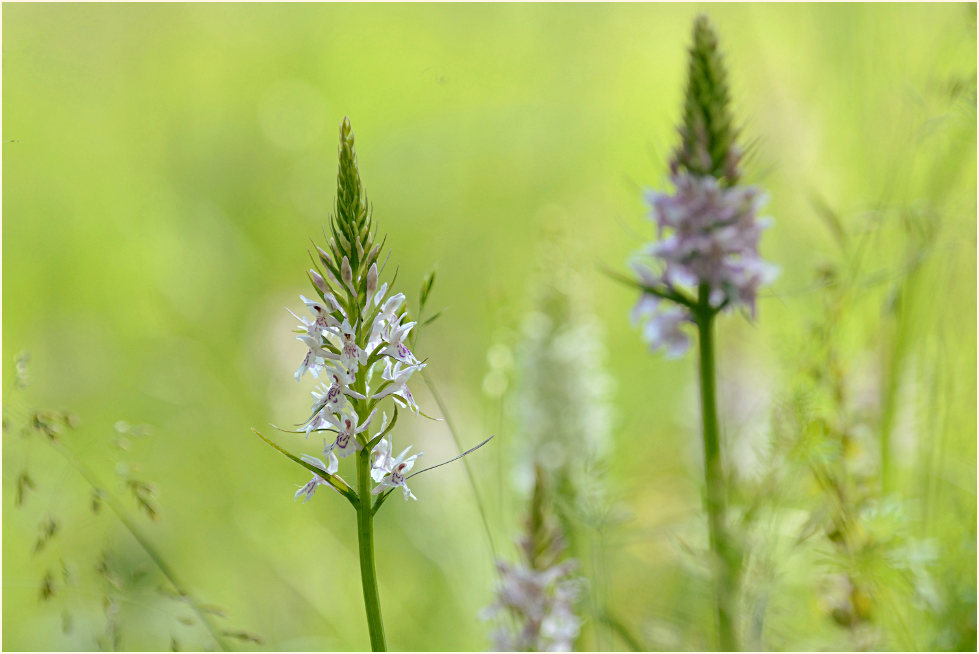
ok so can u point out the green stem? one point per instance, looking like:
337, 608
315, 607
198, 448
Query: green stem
365, 541
724, 558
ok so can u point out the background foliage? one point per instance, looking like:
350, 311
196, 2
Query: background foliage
165, 165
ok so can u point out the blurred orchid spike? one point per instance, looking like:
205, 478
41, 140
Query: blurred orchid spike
706, 259
539, 592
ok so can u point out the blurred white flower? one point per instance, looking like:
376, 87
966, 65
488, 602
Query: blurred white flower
560, 396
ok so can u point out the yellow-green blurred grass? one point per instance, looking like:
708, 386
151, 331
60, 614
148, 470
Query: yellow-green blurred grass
164, 167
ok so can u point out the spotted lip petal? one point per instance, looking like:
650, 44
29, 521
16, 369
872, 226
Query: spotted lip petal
345, 423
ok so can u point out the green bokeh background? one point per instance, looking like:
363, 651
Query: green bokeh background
164, 167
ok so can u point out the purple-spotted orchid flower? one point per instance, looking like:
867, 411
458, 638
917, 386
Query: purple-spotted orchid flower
393, 471
352, 356
331, 399
323, 320
347, 428
328, 468
398, 376
396, 335
316, 356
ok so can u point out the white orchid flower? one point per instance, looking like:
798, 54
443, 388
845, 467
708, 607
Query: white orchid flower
347, 428
331, 399
316, 356
395, 471
398, 376
396, 349
322, 320
351, 354
330, 469
381, 459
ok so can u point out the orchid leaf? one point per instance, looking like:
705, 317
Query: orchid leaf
332, 480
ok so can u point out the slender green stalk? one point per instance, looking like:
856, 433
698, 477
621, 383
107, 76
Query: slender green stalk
365, 541
724, 558
365, 520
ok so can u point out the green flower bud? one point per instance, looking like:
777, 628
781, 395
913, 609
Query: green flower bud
319, 281
350, 223
372, 279
346, 273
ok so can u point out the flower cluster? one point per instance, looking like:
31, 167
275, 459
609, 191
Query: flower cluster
355, 334
339, 352
712, 241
